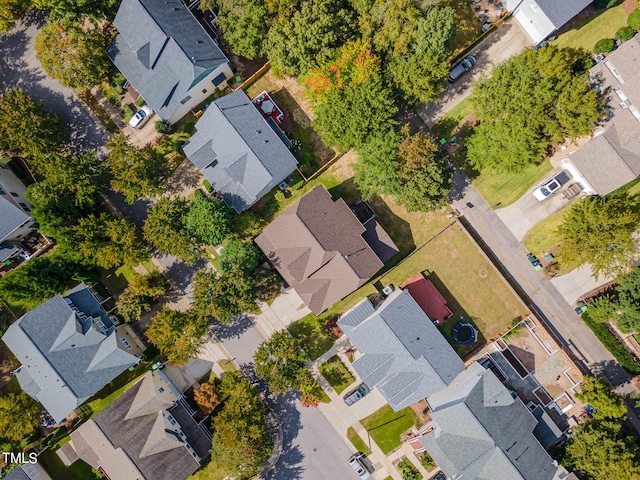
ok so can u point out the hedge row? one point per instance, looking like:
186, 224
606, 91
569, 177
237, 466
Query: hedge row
612, 344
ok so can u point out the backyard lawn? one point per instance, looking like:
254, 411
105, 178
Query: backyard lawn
337, 374
451, 121
587, 32
466, 279
312, 336
385, 426
79, 470
468, 26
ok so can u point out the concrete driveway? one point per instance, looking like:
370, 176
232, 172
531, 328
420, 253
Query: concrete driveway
520, 216
509, 39
19, 68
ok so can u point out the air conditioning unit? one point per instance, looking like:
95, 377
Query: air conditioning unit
388, 290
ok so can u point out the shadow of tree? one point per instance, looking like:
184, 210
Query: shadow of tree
233, 330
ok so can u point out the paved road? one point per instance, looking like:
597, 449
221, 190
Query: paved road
312, 450
509, 39
19, 67
545, 299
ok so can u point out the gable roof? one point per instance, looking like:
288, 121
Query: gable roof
561, 12
11, 217
317, 246
238, 152
404, 355
66, 357
612, 158
483, 432
156, 443
163, 51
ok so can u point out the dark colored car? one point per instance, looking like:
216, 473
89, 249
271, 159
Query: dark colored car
461, 68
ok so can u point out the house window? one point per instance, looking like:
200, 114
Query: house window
126, 345
534, 6
171, 420
101, 325
160, 389
13, 194
24, 206
212, 164
185, 99
219, 80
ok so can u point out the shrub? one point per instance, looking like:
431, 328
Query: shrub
605, 3
603, 46
127, 111
162, 126
139, 101
279, 196
634, 20
207, 185
625, 33
611, 343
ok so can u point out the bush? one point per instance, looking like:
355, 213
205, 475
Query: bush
207, 185
162, 126
625, 33
279, 196
634, 20
605, 3
603, 46
611, 343
127, 111
139, 101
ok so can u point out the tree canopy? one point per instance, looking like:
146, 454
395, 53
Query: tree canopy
72, 53
532, 100
239, 256
606, 403
137, 297
136, 172
19, 416
599, 231
165, 229
222, 297
244, 25
177, 335
209, 220
621, 306
20, 114
281, 363
77, 9
10, 13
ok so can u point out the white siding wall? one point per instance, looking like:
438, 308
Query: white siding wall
12, 186
531, 18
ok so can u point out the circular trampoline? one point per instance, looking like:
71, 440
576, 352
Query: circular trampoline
464, 333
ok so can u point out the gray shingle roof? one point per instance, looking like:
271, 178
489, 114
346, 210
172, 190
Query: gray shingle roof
560, 12
317, 246
612, 159
150, 440
404, 355
238, 152
65, 356
162, 50
482, 432
11, 217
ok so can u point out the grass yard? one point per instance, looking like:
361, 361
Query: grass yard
468, 26
451, 121
337, 374
588, 31
408, 470
357, 441
385, 426
309, 331
79, 470
466, 279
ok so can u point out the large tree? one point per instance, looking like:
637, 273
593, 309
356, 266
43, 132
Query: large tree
599, 231
308, 38
281, 363
532, 100
621, 306
603, 449
72, 53
139, 294
137, 172
606, 403
244, 25
26, 127
222, 297
10, 12
109, 241
178, 335
350, 116
77, 9
209, 220
19, 416
241, 440
238, 256
165, 229
377, 166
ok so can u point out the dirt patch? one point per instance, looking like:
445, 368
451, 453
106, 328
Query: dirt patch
7, 365
629, 5
343, 168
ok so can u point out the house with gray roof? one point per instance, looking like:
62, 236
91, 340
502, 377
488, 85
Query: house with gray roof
540, 18
611, 158
147, 433
480, 430
319, 247
167, 55
238, 152
68, 349
401, 352
15, 221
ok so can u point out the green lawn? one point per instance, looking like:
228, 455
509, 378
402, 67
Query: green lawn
543, 237
468, 26
587, 32
312, 336
502, 189
385, 426
466, 279
451, 121
337, 374
79, 470
357, 441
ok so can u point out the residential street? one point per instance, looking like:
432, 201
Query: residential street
545, 298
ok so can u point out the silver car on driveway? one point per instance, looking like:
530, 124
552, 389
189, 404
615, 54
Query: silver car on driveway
356, 394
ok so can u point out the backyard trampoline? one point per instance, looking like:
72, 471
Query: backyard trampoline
464, 333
